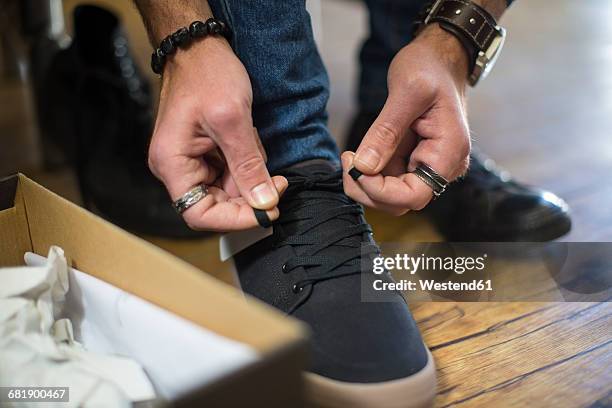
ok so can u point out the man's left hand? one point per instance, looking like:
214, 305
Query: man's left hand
423, 121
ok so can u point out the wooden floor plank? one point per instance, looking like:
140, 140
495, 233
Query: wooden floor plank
533, 389
512, 351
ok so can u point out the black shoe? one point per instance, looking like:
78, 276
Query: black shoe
100, 103
486, 205
364, 354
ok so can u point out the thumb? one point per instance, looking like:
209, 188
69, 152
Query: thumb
248, 168
387, 132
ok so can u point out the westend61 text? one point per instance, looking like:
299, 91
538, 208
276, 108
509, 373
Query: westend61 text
432, 285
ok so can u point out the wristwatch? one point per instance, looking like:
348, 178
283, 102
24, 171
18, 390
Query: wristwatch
475, 28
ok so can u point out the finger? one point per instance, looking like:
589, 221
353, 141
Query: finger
226, 182
398, 163
446, 157
405, 192
219, 212
444, 144
281, 184
388, 130
240, 147
389, 193
354, 190
175, 156
185, 173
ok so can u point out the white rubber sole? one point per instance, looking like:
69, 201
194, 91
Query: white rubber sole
416, 391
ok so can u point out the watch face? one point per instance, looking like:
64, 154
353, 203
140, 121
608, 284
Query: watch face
495, 49
487, 59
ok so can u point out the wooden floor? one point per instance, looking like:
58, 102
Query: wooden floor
546, 115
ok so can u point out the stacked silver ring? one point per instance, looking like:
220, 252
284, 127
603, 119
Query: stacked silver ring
429, 176
190, 198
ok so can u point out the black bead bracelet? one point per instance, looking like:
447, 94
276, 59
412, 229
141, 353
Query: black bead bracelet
182, 37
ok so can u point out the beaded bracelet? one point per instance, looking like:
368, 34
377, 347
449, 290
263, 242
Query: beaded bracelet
181, 39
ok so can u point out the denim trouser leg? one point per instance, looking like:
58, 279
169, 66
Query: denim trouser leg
390, 30
274, 41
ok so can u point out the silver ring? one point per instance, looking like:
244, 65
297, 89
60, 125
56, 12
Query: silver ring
190, 198
430, 177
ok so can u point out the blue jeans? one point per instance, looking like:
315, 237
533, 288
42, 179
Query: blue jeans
391, 29
274, 41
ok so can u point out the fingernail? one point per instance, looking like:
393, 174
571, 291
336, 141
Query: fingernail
370, 158
263, 195
354, 173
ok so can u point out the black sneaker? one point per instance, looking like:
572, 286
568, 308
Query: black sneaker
486, 204
364, 354
97, 109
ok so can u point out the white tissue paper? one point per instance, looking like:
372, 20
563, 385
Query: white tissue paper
178, 355
38, 350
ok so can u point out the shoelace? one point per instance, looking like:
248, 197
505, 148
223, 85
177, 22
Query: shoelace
314, 201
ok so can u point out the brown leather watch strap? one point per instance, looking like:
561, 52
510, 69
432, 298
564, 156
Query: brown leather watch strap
474, 22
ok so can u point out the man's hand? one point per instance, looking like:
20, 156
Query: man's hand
423, 121
204, 135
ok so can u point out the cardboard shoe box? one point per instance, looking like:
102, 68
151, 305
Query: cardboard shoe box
33, 218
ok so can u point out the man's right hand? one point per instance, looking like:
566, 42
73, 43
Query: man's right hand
204, 135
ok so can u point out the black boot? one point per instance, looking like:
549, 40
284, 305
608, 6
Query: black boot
100, 103
486, 205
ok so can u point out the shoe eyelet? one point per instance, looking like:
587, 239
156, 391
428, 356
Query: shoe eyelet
296, 289
284, 268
